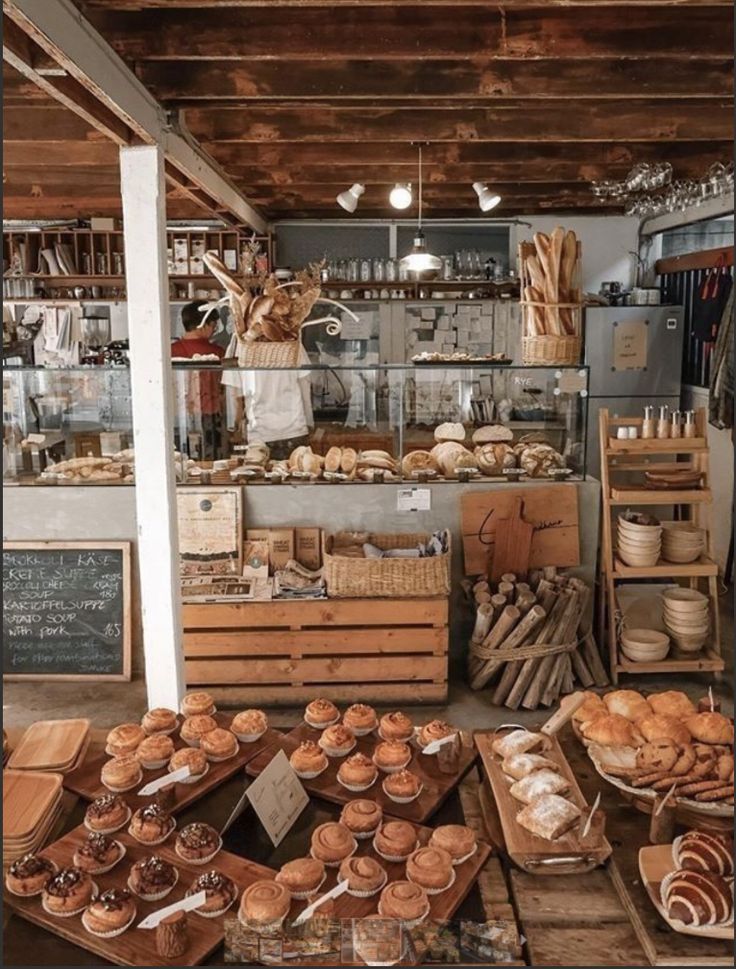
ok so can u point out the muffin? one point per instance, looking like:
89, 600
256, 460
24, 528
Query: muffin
431, 869
220, 890
391, 755
395, 726
249, 725
332, 843
110, 914
197, 843
154, 751
159, 720
321, 713
68, 892
395, 840
357, 772
219, 745
193, 758
98, 854
264, 904
404, 901
28, 875
124, 739
362, 818
456, 839
107, 814
302, 876
152, 878
360, 718
121, 773
402, 787
434, 730
195, 727
308, 760
364, 875
337, 740
194, 704
151, 825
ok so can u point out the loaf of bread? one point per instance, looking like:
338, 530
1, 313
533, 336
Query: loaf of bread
333, 459
612, 730
661, 727
539, 459
493, 458
418, 461
449, 431
492, 434
711, 728
446, 455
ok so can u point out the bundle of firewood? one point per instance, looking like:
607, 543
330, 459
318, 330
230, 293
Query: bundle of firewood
532, 640
549, 269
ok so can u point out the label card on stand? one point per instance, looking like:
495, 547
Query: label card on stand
413, 499
278, 798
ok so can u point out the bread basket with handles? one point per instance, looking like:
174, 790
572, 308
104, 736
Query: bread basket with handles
347, 577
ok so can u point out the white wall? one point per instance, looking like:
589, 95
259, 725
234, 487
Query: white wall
607, 241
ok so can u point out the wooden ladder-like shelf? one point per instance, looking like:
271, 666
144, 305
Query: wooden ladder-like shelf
639, 455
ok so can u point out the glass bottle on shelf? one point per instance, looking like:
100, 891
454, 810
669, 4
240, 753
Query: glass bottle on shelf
378, 270
353, 270
391, 271
365, 270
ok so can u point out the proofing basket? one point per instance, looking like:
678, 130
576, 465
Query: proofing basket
388, 578
265, 355
550, 350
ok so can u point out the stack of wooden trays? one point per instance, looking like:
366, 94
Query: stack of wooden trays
52, 745
31, 806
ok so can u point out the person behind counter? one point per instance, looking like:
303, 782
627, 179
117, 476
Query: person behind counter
201, 388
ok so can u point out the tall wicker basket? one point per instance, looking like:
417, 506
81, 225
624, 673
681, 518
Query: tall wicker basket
549, 348
386, 578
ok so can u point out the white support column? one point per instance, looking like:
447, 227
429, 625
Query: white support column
144, 233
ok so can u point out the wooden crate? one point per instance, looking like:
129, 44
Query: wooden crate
387, 650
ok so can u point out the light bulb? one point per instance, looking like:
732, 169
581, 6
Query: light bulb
487, 200
400, 196
348, 199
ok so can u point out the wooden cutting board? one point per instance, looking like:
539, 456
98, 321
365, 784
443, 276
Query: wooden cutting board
513, 544
27, 799
50, 745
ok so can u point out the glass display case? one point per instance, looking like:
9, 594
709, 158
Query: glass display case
314, 424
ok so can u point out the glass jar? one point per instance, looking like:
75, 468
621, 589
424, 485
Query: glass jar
379, 270
353, 270
365, 270
391, 270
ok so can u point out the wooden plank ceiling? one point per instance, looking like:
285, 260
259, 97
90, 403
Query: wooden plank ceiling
297, 99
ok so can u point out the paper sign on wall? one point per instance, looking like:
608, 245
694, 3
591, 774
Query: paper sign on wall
278, 797
356, 329
413, 499
630, 345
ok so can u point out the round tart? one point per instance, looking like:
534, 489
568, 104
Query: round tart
154, 751
357, 772
360, 718
249, 725
152, 878
67, 892
193, 758
159, 720
404, 901
121, 773
197, 703
332, 843
107, 814
124, 739
431, 869
98, 854
151, 825
264, 903
28, 875
434, 730
308, 760
396, 726
197, 843
402, 787
195, 727
302, 876
362, 818
337, 740
220, 890
110, 914
395, 840
456, 839
364, 875
219, 744
321, 713
391, 755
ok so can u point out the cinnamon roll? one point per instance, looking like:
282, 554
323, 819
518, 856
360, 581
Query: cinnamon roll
264, 903
362, 818
396, 726
302, 876
404, 901
332, 842
357, 772
219, 744
431, 869
456, 839
364, 875
395, 840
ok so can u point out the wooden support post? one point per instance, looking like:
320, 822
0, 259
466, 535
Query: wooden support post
144, 220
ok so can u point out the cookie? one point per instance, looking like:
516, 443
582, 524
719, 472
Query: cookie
717, 795
724, 767
686, 761
699, 787
658, 755
646, 780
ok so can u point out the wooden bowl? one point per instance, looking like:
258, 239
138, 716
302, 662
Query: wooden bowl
637, 544
638, 559
644, 639
640, 533
646, 656
683, 600
681, 558
689, 644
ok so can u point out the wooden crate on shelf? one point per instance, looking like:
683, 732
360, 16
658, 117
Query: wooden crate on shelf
284, 653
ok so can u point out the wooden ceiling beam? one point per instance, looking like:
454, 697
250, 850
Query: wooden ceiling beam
71, 154
344, 4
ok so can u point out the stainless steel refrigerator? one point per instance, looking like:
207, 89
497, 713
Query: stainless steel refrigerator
635, 358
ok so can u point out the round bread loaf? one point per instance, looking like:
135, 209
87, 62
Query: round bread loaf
539, 459
612, 730
449, 431
492, 434
627, 703
672, 703
493, 458
418, 461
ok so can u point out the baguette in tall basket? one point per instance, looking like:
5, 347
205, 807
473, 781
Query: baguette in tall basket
549, 268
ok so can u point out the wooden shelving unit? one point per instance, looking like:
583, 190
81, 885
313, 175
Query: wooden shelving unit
631, 457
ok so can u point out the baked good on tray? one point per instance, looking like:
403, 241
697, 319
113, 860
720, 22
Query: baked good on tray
264, 903
68, 892
249, 725
192, 757
434, 730
405, 901
362, 817
539, 783
365, 876
697, 898
97, 854
549, 816
110, 914
357, 772
154, 751
612, 730
196, 703
220, 892
396, 726
302, 876
332, 842
107, 814
517, 742
124, 739
159, 720
703, 851
431, 868
391, 755
672, 703
660, 726
521, 765
151, 825
308, 760
152, 878
395, 840
121, 773
337, 740
195, 727
28, 875
197, 843
219, 744
457, 840
321, 713
711, 728
402, 787
360, 718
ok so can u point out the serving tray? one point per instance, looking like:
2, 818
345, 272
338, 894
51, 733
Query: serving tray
51, 745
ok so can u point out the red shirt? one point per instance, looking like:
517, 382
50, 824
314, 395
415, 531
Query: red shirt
203, 386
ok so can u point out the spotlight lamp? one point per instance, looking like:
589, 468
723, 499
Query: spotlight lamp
400, 196
487, 199
348, 199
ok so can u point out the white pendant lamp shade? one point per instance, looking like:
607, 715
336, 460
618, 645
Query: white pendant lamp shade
487, 199
419, 260
349, 198
400, 196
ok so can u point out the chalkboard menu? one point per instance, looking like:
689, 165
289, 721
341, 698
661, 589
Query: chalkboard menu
66, 610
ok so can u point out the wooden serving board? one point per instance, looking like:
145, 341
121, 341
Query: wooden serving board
137, 947
86, 782
27, 799
531, 853
437, 786
50, 745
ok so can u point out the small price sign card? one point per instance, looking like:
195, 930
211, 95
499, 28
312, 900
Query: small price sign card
278, 797
413, 499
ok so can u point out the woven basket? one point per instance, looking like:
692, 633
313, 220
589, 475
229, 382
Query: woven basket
394, 578
266, 355
551, 350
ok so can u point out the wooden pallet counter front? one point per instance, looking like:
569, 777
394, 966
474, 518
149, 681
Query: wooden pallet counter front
389, 650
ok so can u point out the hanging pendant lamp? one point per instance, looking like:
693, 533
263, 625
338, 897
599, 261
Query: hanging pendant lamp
419, 260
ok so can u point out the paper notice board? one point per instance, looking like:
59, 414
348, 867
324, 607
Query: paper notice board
630, 345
